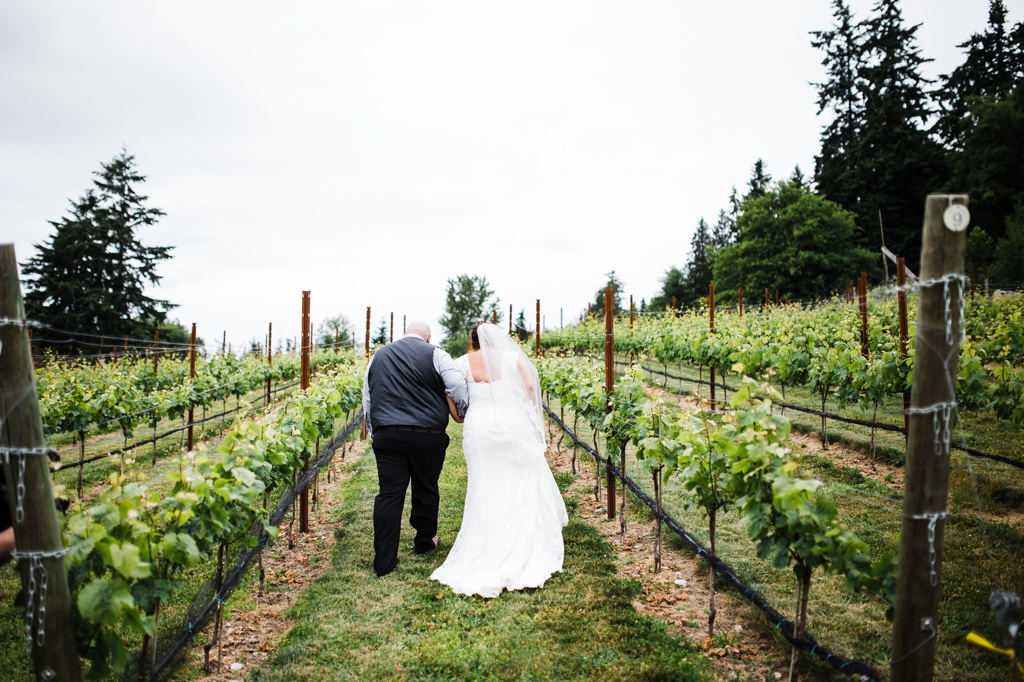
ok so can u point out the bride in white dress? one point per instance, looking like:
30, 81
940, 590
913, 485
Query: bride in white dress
511, 535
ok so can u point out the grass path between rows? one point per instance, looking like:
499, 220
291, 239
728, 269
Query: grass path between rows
580, 626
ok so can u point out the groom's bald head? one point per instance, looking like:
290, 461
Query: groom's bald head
419, 328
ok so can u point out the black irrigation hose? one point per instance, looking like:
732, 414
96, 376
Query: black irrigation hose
169, 663
171, 432
784, 626
840, 418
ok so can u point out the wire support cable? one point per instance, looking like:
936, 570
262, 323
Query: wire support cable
837, 417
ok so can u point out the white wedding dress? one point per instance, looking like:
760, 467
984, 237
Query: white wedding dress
511, 535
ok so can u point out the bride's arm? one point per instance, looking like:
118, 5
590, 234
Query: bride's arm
527, 378
453, 410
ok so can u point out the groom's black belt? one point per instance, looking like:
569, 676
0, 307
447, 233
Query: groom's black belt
417, 429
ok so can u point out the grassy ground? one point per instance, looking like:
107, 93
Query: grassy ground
580, 626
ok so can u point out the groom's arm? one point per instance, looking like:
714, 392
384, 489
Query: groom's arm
455, 386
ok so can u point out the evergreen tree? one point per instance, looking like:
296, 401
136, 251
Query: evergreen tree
759, 181
522, 333
792, 240
724, 232
90, 277
836, 168
380, 337
990, 169
994, 64
598, 306
1008, 267
468, 301
337, 329
673, 286
698, 267
898, 164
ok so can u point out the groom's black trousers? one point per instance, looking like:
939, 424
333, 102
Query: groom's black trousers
403, 456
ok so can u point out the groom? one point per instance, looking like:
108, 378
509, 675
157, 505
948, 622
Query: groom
406, 414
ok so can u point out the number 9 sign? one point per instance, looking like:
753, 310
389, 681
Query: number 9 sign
956, 217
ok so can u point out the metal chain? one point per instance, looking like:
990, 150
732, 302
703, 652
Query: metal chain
932, 520
35, 607
943, 412
945, 281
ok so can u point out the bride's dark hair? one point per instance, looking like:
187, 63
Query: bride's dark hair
474, 337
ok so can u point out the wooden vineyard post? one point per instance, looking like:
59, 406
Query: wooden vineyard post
304, 385
367, 342
391, 336
776, 297
270, 360
192, 378
494, 316
510, 319
224, 345
536, 349
901, 298
932, 413
631, 313
711, 331
766, 303
609, 385
673, 305
40, 550
741, 302
862, 297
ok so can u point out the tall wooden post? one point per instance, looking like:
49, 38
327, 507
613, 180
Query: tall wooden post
224, 345
367, 331
862, 297
631, 312
766, 302
711, 331
609, 383
391, 336
741, 302
932, 413
192, 377
673, 305
270, 360
536, 350
304, 385
901, 301
510, 319
30, 492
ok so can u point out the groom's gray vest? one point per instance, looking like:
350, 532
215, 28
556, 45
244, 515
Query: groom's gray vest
405, 389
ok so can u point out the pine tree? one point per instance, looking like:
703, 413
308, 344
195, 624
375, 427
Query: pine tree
598, 305
698, 267
90, 277
759, 181
836, 168
468, 301
898, 164
993, 66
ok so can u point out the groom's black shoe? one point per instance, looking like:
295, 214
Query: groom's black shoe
430, 548
381, 574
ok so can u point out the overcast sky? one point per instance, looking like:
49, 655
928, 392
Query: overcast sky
370, 151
